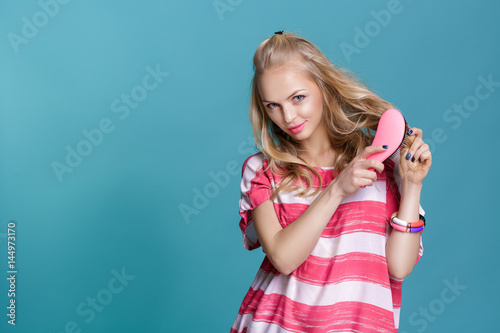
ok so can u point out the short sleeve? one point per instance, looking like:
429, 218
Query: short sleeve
256, 187
394, 192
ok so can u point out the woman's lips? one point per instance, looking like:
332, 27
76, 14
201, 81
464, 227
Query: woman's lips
298, 128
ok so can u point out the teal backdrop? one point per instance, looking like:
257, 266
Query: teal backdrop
124, 126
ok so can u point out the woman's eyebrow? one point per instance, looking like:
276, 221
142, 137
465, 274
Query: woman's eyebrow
296, 91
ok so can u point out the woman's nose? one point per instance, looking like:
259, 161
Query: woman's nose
289, 114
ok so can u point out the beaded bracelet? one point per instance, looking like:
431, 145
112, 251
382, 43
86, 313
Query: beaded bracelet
405, 226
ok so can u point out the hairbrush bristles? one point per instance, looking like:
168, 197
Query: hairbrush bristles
403, 142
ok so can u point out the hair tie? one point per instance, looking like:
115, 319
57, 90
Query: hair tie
279, 33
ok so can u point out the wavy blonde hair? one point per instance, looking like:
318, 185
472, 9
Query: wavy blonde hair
351, 112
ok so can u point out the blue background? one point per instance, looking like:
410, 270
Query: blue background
119, 209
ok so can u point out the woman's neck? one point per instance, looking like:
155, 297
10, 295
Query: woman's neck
320, 157
317, 151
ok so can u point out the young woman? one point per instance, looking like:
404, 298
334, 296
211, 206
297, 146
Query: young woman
318, 207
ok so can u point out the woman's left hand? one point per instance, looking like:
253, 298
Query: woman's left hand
416, 160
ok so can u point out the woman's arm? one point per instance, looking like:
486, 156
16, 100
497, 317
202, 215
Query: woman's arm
287, 248
402, 248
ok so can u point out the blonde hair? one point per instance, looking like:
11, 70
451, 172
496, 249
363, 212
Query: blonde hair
351, 112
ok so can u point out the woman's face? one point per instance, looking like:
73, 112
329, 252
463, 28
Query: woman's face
293, 102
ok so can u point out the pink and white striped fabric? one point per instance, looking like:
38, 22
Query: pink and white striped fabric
344, 284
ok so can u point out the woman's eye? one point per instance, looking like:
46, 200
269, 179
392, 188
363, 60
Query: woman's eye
299, 97
271, 105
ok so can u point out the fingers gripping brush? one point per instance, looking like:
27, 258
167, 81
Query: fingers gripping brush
391, 131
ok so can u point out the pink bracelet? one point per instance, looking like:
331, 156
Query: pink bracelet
398, 227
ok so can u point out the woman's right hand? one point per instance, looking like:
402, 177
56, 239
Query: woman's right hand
356, 173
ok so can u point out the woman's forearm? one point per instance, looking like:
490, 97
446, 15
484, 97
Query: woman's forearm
402, 248
295, 243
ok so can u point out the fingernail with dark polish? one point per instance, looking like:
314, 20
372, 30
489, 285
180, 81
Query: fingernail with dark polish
419, 160
408, 156
385, 146
413, 159
410, 131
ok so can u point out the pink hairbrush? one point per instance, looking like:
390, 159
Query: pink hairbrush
391, 131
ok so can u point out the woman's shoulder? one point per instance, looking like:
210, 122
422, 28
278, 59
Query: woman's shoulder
255, 162
254, 158
256, 169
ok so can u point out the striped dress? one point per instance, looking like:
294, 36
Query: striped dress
344, 284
